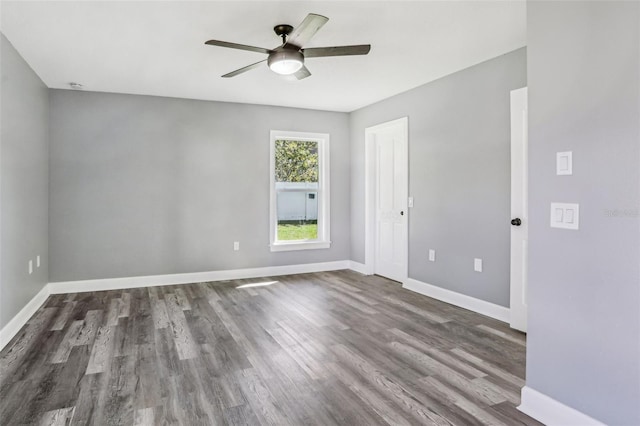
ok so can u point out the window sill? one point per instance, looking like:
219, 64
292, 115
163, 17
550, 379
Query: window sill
306, 245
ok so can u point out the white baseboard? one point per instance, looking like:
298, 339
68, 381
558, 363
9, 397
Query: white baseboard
192, 277
358, 267
471, 303
552, 412
17, 322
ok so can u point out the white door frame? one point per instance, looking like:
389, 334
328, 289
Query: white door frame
370, 194
519, 209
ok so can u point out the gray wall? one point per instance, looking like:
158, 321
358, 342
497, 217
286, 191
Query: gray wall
459, 175
583, 345
24, 157
148, 185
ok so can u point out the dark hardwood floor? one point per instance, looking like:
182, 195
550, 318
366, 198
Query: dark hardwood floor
321, 349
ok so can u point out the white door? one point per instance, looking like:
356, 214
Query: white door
390, 187
519, 208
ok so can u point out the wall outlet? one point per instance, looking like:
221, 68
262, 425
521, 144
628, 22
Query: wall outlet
477, 265
30, 267
432, 255
236, 245
38, 261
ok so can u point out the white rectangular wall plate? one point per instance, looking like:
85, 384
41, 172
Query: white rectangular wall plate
564, 163
38, 261
236, 245
432, 255
477, 265
30, 266
565, 215
410, 201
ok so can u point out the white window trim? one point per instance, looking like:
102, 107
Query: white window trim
323, 241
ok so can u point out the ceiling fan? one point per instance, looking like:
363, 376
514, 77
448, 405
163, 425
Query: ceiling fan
288, 58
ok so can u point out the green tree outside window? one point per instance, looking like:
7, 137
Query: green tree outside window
296, 161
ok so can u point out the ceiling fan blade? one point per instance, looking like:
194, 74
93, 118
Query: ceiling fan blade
302, 73
319, 52
244, 69
237, 46
307, 29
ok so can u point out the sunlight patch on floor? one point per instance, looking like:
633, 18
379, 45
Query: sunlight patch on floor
257, 284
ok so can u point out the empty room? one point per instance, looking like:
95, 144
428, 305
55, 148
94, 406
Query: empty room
320, 213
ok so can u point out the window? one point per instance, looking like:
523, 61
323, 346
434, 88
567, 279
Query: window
299, 191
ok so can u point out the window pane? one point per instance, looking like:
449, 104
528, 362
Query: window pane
296, 161
296, 170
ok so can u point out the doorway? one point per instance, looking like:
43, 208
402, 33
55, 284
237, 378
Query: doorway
386, 193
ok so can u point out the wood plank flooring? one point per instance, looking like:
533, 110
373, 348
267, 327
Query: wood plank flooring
334, 348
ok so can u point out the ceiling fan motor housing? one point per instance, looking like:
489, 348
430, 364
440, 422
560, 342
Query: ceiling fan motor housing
286, 60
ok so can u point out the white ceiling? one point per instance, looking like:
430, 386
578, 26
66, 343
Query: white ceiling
157, 48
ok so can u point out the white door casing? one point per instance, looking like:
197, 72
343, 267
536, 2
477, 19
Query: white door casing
519, 209
386, 192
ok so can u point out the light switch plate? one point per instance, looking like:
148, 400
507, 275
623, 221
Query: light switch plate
565, 215
432, 255
477, 265
564, 163
410, 201
236, 245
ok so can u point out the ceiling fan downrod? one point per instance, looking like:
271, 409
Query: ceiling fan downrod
283, 30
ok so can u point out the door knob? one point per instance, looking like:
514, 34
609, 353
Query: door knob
516, 221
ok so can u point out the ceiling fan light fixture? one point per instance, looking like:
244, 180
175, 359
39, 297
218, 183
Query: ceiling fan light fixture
285, 61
